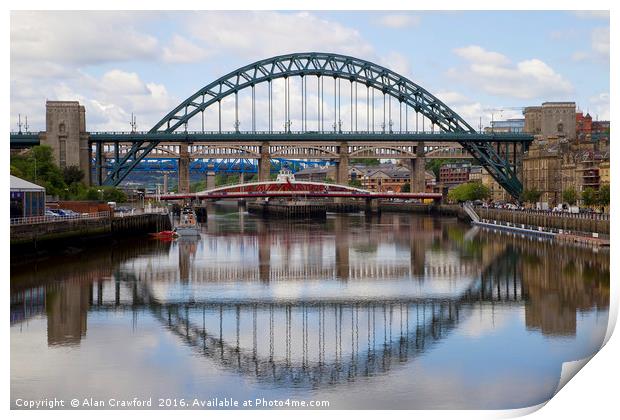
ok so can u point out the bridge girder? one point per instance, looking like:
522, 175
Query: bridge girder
336, 66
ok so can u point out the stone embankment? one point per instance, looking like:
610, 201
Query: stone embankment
45, 233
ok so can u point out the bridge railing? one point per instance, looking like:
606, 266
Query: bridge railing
56, 219
232, 132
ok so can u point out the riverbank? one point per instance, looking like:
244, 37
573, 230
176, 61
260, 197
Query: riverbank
41, 235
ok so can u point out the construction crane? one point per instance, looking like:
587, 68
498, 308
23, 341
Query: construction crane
501, 111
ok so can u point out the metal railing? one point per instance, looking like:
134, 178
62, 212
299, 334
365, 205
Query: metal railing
559, 214
146, 210
55, 219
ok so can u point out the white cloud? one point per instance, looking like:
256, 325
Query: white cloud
117, 81
600, 42
246, 34
397, 62
494, 73
592, 14
78, 38
579, 56
182, 50
478, 54
600, 106
109, 100
399, 21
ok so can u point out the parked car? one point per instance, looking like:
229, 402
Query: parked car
50, 213
70, 213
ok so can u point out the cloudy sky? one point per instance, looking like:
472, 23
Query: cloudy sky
116, 63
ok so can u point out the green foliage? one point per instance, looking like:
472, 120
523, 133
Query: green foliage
603, 195
589, 197
366, 161
114, 194
356, 183
198, 186
102, 194
92, 194
72, 175
15, 171
469, 191
570, 196
530, 195
37, 165
406, 188
329, 180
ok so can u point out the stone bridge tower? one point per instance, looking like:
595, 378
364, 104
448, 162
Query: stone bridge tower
65, 132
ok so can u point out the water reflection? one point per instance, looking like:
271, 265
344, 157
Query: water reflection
314, 305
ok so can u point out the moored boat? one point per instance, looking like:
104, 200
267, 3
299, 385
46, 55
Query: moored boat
188, 224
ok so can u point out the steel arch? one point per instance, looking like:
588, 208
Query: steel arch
326, 65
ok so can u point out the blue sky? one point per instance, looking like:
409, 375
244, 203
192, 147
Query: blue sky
117, 63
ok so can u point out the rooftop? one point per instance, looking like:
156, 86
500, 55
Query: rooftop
23, 185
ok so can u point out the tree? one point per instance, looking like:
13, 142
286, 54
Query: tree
531, 195
570, 196
114, 194
589, 197
406, 187
92, 194
72, 175
469, 191
355, 183
38, 166
603, 195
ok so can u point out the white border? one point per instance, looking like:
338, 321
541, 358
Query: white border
592, 393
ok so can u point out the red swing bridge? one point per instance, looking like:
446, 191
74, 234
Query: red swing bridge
293, 189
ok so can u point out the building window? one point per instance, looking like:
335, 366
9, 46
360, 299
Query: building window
61, 128
560, 128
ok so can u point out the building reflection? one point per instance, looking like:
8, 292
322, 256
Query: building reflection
66, 288
559, 281
553, 283
66, 309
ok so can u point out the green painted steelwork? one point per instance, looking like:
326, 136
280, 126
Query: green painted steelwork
173, 127
191, 137
326, 65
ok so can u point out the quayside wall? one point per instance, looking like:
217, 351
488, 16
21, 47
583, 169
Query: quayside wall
572, 222
27, 237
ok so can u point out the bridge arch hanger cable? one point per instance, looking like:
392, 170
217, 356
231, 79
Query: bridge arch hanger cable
324, 64
316, 64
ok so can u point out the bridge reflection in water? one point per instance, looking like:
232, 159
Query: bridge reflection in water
305, 305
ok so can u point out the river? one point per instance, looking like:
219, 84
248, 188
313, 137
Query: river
364, 312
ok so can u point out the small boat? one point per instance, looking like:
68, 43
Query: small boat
188, 225
164, 234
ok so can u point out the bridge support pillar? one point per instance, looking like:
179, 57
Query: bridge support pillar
98, 164
210, 176
342, 165
342, 248
165, 191
417, 170
264, 163
372, 206
264, 252
183, 169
